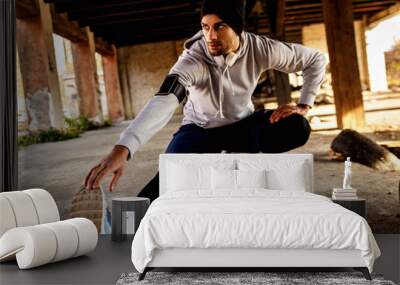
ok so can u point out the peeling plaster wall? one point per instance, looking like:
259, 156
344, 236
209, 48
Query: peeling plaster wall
38, 107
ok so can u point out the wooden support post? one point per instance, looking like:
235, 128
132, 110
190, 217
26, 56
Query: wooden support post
282, 87
361, 44
39, 71
86, 79
280, 20
276, 10
338, 18
112, 86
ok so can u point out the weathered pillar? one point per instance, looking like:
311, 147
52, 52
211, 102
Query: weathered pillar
338, 18
112, 86
83, 54
39, 71
179, 47
276, 10
361, 45
23, 123
124, 81
282, 87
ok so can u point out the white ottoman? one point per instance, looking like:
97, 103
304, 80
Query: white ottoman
31, 232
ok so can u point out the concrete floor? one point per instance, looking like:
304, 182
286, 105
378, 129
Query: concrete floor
110, 259
61, 167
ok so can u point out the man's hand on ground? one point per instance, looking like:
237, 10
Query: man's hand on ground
113, 163
287, 109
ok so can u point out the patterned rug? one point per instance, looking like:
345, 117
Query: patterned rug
242, 278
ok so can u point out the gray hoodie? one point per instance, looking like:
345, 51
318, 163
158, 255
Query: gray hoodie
220, 88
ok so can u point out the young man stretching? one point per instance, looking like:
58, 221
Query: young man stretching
218, 72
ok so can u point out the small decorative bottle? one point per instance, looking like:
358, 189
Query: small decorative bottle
347, 174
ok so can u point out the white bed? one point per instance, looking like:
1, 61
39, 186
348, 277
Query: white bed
224, 216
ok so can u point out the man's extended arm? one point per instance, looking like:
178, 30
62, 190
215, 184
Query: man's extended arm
159, 110
154, 116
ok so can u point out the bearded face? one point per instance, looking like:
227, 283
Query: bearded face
221, 39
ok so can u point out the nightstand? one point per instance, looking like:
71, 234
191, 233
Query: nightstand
135, 207
358, 206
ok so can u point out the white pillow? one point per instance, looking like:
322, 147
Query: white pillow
251, 178
189, 175
182, 177
287, 174
227, 179
293, 180
223, 179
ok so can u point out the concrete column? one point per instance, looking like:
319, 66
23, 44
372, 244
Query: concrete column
179, 47
86, 80
23, 122
124, 83
96, 66
39, 71
112, 86
339, 27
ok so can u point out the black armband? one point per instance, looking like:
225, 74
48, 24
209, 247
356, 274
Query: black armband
170, 85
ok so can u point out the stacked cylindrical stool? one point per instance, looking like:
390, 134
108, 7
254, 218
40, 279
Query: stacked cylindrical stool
31, 231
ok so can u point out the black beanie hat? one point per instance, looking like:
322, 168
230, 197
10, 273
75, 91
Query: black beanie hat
230, 11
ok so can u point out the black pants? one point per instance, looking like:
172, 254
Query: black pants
253, 134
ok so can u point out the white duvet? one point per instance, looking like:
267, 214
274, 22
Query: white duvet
250, 219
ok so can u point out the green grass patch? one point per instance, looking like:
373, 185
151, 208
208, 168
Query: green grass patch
75, 127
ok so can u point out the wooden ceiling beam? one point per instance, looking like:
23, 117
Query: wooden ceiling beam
61, 25
139, 7
160, 31
26, 9
303, 6
356, 9
139, 21
139, 17
305, 21
301, 12
71, 31
73, 5
132, 14
379, 16
368, 9
124, 40
360, 3
134, 9
143, 33
146, 26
